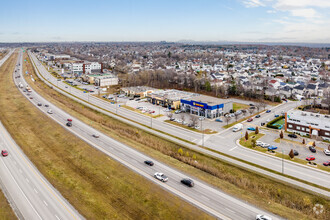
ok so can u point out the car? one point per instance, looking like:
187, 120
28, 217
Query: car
137, 99
268, 120
310, 158
177, 112
161, 177
326, 163
188, 182
276, 116
258, 116
31, 97
272, 147
264, 145
263, 217
268, 111
4, 153
172, 119
232, 115
50, 111
250, 119
66, 87
178, 120
259, 143
149, 162
151, 112
69, 119
292, 135
131, 98
197, 127
218, 120
251, 129
69, 124
251, 104
201, 118
96, 135
39, 104
326, 152
295, 152
46, 105
312, 149
58, 79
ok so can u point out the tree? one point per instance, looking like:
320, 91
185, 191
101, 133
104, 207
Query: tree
314, 144
303, 141
194, 120
183, 117
246, 135
263, 104
169, 115
194, 157
281, 135
227, 119
244, 111
291, 154
257, 130
253, 143
187, 154
251, 110
180, 151
236, 116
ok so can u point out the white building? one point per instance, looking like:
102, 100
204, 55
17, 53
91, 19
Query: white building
105, 80
86, 67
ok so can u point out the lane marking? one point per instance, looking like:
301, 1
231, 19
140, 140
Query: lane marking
27, 180
233, 148
45, 202
57, 217
230, 210
35, 190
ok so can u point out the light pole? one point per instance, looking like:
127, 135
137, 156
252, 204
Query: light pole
202, 133
116, 104
282, 161
150, 119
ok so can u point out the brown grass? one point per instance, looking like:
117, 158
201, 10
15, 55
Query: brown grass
277, 197
6, 211
97, 186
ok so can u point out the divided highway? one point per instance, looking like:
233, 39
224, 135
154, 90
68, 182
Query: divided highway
223, 141
30, 194
201, 195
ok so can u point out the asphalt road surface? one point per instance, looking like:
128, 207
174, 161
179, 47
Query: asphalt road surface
201, 195
31, 195
224, 141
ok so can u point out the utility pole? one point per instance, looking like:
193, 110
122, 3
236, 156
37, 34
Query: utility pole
282, 161
202, 133
116, 104
151, 120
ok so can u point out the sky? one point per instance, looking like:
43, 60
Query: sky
293, 21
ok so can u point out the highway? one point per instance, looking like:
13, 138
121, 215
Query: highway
201, 195
224, 141
31, 195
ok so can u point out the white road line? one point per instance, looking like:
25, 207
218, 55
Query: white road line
35, 190
27, 180
230, 210
233, 148
21, 191
45, 203
57, 217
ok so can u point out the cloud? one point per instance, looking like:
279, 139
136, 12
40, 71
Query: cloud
304, 12
286, 5
253, 3
271, 11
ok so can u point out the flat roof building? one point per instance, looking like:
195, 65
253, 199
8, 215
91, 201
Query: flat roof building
307, 123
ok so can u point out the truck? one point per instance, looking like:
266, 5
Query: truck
238, 127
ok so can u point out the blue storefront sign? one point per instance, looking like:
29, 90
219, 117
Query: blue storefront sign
201, 104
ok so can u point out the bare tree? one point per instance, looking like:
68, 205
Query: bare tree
169, 115
236, 116
263, 104
244, 111
251, 110
183, 117
194, 120
227, 119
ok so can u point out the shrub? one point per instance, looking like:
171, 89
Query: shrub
180, 151
291, 154
246, 135
257, 130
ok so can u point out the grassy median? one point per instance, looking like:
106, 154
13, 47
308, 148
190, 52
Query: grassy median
277, 197
6, 211
97, 186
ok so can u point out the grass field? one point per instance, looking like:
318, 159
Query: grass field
6, 211
240, 120
97, 186
238, 106
205, 131
282, 199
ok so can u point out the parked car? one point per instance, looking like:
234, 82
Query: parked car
137, 99
326, 152
96, 135
251, 104
50, 111
251, 128
326, 163
250, 119
178, 120
295, 152
131, 98
4, 153
187, 182
197, 127
263, 217
258, 116
292, 135
310, 158
268, 111
201, 118
149, 162
259, 143
218, 120
272, 147
69, 119
312, 149
276, 116
161, 177
265, 145
176, 112
172, 119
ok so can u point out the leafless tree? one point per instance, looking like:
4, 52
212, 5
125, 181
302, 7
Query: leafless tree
227, 119
263, 104
251, 110
194, 120
236, 116
169, 115
183, 117
244, 111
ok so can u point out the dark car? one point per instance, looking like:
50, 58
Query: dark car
149, 162
326, 163
292, 135
69, 124
250, 119
46, 105
39, 104
268, 111
295, 152
312, 149
258, 116
4, 153
172, 119
187, 182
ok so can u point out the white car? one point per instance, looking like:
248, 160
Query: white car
178, 120
259, 143
264, 145
196, 127
96, 135
263, 217
50, 111
326, 152
201, 118
161, 177
268, 120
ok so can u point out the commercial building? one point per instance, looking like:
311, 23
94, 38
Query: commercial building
305, 123
140, 91
101, 80
206, 106
82, 67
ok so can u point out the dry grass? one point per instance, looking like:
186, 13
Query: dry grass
6, 211
205, 131
241, 120
238, 106
97, 186
277, 197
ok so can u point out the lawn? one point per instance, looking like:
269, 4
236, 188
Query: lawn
274, 196
238, 106
240, 120
205, 131
96, 185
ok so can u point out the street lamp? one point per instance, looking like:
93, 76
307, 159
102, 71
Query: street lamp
150, 120
202, 133
282, 161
